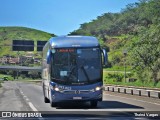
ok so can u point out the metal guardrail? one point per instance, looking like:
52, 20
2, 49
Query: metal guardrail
134, 91
21, 68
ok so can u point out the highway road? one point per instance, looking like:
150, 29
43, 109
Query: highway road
28, 97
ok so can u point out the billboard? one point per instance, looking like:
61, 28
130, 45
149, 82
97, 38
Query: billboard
23, 45
40, 45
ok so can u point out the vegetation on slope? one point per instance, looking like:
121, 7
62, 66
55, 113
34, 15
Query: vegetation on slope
7, 34
135, 29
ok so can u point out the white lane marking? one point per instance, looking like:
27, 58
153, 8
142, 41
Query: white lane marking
134, 99
24, 96
21, 93
32, 106
29, 103
34, 109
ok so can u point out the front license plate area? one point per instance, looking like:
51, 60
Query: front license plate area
77, 98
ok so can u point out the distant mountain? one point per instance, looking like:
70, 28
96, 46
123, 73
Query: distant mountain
7, 34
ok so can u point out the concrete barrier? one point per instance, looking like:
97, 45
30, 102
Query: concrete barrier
133, 90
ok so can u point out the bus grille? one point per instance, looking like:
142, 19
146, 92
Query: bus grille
69, 91
77, 91
84, 91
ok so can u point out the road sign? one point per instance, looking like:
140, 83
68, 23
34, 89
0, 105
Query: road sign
23, 45
40, 45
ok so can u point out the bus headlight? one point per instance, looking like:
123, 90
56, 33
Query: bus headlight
98, 88
56, 89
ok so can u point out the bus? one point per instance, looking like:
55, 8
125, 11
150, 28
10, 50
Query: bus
72, 70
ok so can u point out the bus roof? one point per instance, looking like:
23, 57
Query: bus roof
73, 41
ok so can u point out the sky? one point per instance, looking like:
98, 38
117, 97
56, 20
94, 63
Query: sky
59, 17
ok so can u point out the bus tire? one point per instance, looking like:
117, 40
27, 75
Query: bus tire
53, 104
46, 100
94, 104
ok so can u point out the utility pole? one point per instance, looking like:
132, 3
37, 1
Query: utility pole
125, 54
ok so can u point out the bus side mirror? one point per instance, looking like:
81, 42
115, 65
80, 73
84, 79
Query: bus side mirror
105, 57
48, 56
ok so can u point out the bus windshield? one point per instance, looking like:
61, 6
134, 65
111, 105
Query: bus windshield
76, 66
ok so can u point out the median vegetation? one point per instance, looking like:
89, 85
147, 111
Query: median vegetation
117, 78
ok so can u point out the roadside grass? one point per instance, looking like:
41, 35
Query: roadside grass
29, 80
158, 85
118, 68
1, 83
114, 81
32, 81
20, 78
4, 75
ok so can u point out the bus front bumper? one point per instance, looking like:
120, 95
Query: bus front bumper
62, 97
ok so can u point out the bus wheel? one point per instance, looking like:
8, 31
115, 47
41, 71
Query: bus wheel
46, 100
53, 104
94, 104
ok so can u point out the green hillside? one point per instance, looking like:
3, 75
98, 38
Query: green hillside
7, 34
135, 29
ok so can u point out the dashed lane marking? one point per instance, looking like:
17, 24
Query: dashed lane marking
30, 104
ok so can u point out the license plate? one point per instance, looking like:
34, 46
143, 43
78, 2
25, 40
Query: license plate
77, 98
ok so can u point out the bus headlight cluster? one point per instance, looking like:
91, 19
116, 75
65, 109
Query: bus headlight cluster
98, 88
56, 89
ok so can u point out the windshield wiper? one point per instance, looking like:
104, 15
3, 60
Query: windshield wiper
71, 73
85, 73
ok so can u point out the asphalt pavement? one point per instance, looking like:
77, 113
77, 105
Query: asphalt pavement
27, 97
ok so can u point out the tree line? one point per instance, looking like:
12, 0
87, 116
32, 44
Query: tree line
140, 24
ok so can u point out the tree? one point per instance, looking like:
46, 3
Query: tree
34, 74
146, 51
